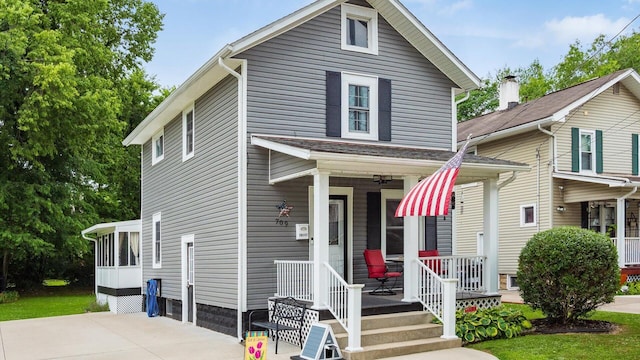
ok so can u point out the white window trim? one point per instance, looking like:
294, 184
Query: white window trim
155, 158
386, 194
592, 133
157, 217
186, 156
360, 13
522, 217
509, 287
363, 80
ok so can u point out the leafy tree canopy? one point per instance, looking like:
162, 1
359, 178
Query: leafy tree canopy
70, 86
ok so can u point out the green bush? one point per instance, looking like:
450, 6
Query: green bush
629, 288
9, 297
95, 306
568, 272
488, 324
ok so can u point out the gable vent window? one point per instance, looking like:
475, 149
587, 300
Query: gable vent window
157, 147
188, 134
359, 29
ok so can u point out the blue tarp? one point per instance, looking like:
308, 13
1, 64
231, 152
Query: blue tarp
152, 301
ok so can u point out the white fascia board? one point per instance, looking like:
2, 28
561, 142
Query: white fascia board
565, 111
285, 149
107, 227
283, 25
473, 81
611, 181
196, 85
509, 132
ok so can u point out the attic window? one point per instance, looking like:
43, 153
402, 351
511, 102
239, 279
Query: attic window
359, 29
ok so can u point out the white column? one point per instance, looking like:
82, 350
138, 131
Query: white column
320, 238
620, 233
490, 224
411, 235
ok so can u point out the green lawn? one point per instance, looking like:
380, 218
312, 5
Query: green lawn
48, 301
623, 345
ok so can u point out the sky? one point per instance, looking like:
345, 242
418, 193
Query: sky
486, 35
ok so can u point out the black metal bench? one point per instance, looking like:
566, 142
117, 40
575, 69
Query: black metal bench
287, 314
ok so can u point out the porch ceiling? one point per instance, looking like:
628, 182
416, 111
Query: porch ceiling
359, 159
583, 187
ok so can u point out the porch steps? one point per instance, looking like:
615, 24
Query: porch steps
389, 335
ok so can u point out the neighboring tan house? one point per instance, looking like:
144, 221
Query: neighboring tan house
582, 144
327, 116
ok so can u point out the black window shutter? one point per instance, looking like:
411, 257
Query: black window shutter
333, 111
634, 154
431, 233
374, 208
575, 149
599, 165
384, 109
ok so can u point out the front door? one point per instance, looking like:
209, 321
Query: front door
337, 234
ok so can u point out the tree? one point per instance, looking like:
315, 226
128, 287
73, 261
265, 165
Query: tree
65, 74
568, 272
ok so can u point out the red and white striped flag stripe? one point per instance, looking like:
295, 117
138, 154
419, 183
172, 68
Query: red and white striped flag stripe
431, 196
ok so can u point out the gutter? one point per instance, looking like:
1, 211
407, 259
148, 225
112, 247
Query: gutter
242, 191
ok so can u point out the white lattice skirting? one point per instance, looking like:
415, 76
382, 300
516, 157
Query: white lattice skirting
480, 303
310, 317
125, 304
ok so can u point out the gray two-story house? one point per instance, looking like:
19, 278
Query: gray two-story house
286, 155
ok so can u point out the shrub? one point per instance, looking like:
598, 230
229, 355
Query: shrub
630, 288
487, 324
9, 297
567, 272
95, 306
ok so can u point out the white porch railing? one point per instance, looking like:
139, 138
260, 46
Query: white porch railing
438, 295
467, 269
631, 250
295, 279
345, 303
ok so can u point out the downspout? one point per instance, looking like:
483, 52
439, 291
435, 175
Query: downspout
95, 262
242, 192
553, 165
454, 141
514, 175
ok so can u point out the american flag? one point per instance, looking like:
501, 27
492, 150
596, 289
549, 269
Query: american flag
431, 196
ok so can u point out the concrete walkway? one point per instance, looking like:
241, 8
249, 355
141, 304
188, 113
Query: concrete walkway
101, 336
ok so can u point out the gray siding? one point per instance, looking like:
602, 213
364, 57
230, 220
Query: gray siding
286, 96
198, 196
283, 165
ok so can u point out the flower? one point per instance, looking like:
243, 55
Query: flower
258, 354
251, 350
259, 345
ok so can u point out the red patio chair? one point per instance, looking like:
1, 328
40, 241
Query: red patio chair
434, 265
378, 270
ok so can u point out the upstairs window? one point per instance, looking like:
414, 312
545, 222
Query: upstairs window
157, 144
359, 107
587, 158
359, 29
188, 134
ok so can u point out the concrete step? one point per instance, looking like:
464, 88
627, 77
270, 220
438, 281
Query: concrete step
393, 335
386, 321
382, 351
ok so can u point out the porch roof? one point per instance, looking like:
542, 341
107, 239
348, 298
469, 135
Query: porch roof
102, 228
354, 158
613, 180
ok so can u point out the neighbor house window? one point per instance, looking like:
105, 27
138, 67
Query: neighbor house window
359, 29
157, 144
188, 134
528, 215
157, 243
359, 107
587, 151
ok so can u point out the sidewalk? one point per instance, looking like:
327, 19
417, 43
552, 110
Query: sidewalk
101, 336
625, 303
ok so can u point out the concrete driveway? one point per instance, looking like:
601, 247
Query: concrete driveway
137, 337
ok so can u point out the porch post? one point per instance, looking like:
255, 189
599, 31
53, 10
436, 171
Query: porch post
490, 224
320, 237
620, 231
411, 236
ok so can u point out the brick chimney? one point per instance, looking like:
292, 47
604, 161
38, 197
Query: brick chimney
509, 93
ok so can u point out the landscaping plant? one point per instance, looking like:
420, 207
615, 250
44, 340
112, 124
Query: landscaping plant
487, 324
567, 272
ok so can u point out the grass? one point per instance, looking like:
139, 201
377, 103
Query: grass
48, 301
623, 345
